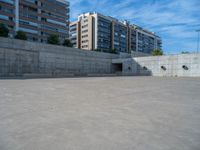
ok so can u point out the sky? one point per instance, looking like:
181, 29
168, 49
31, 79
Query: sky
175, 21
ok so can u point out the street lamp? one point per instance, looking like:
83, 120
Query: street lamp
198, 31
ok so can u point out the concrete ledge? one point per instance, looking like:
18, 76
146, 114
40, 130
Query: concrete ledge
31, 76
46, 75
102, 75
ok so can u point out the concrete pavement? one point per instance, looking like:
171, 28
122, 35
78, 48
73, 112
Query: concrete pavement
108, 113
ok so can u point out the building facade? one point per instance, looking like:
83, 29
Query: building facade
95, 32
74, 34
38, 18
86, 31
141, 40
120, 37
103, 33
107, 34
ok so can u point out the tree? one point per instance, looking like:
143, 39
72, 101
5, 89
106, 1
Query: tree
21, 35
185, 52
53, 39
3, 30
157, 52
67, 43
114, 51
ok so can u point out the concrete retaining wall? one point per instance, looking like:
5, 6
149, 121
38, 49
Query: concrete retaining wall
20, 58
184, 65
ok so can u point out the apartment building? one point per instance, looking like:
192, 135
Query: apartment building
141, 40
120, 37
38, 18
7, 14
107, 34
100, 32
74, 33
95, 32
87, 31
103, 33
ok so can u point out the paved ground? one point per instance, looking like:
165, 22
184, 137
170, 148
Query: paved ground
122, 113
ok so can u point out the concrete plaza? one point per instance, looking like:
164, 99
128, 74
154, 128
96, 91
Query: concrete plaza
108, 113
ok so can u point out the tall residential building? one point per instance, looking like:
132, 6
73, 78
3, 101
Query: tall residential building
38, 18
96, 31
120, 36
74, 34
141, 40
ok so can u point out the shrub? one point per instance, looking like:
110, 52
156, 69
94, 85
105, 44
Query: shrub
185, 52
3, 30
157, 52
67, 43
113, 51
53, 39
21, 35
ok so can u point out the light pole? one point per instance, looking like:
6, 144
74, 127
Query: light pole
198, 32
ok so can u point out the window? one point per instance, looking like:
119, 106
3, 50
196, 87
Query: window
11, 18
44, 19
24, 22
4, 17
85, 46
56, 22
28, 30
32, 1
8, 1
7, 10
85, 41
86, 20
25, 14
84, 26
84, 31
84, 36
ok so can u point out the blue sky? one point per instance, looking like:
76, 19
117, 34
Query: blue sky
175, 21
